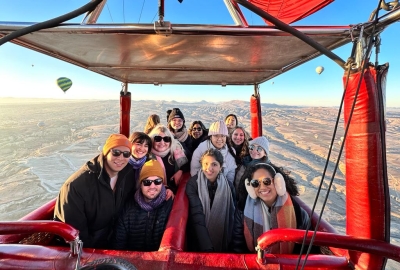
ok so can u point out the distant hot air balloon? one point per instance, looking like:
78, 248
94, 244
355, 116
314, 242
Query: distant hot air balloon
64, 83
316, 136
319, 70
41, 124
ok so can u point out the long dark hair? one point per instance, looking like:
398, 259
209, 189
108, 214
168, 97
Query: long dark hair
215, 154
141, 137
197, 122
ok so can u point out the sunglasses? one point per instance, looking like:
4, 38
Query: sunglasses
117, 153
166, 139
255, 183
148, 182
197, 129
258, 148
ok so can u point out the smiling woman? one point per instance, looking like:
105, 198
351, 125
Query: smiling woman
211, 206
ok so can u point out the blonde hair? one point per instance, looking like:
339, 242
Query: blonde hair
175, 144
152, 121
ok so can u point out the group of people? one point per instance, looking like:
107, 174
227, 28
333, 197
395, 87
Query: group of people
122, 198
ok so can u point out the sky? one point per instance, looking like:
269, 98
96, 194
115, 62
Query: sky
29, 74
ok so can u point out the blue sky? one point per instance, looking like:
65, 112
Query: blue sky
24, 73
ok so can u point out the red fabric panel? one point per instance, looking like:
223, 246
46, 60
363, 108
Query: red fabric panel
256, 120
289, 11
174, 234
365, 202
125, 111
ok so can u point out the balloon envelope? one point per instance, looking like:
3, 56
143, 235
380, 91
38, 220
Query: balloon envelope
64, 83
319, 69
41, 124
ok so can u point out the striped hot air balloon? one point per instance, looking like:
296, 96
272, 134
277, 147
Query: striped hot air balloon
64, 83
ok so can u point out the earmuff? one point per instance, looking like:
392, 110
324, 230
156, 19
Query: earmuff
250, 189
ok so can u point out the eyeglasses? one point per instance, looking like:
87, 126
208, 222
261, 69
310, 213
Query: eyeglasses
166, 139
196, 129
258, 148
255, 183
117, 153
148, 182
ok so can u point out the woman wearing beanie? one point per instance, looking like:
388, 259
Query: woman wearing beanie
198, 132
92, 197
142, 223
176, 124
259, 152
211, 206
217, 139
170, 153
269, 205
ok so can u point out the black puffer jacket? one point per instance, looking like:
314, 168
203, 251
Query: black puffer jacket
238, 240
139, 230
87, 202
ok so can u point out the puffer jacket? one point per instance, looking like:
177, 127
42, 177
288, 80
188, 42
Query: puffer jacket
139, 230
87, 202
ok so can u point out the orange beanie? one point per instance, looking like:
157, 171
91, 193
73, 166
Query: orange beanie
151, 168
116, 140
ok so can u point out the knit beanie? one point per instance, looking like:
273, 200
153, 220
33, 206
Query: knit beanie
261, 141
218, 127
175, 113
116, 140
151, 168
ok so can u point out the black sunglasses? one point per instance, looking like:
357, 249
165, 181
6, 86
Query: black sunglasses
165, 139
255, 183
197, 129
148, 182
258, 148
117, 153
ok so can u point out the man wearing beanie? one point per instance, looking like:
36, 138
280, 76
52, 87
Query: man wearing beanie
141, 225
176, 124
91, 198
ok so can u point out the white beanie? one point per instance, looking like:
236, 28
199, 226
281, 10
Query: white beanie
263, 142
217, 128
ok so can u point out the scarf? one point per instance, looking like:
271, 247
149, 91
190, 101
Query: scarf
259, 218
180, 157
153, 204
218, 219
137, 165
161, 154
181, 135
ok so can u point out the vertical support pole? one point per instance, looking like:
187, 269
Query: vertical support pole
366, 184
255, 112
125, 110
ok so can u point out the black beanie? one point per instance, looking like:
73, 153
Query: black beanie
175, 113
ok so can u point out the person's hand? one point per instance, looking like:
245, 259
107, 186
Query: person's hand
170, 194
177, 177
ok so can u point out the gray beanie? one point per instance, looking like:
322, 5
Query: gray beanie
263, 142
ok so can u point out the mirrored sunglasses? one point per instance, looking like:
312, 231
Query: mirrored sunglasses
148, 182
166, 139
258, 148
196, 129
255, 183
117, 153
